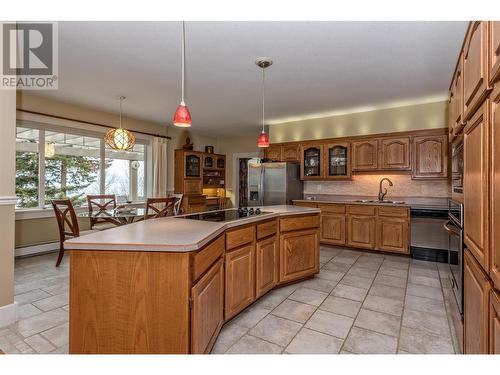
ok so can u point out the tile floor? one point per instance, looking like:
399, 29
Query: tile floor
360, 302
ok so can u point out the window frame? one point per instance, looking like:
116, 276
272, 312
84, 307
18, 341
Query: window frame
42, 127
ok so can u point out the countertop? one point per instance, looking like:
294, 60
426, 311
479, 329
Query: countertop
171, 234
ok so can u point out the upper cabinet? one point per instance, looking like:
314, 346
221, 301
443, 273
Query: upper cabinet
311, 157
290, 152
455, 105
430, 157
494, 51
475, 67
395, 154
365, 155
337, 160
273, 152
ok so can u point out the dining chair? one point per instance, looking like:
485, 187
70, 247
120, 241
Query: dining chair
178, 203
155, 205
67, 223
100, 204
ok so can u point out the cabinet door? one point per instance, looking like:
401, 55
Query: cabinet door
430, 157
207, 310
273, 153
333, 229
311, 157
456, 100
494, 50
476, 160
365, 155
299, 254
476, 304
240, 279
361, 231
475, 67
494, 322
396, 153
208, 161
192, 186
267, 265
495, 186
290, 152
220, 162
337, 161
192, 165
392, 235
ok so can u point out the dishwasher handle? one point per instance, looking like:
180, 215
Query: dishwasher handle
448, 229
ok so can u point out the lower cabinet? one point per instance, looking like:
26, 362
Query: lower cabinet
240, 279
392, 234
333, 229
361, 231
207, 309
494, 322
299, 254
266, 259
476, 305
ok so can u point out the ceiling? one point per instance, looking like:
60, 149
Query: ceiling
318, 67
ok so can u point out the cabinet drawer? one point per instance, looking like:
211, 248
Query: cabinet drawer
361, 210
299, 222
192, 186
196, 199
332, 208
203, 259
267, 229
240, 236
393, 211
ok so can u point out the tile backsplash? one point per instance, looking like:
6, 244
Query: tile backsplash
368, 185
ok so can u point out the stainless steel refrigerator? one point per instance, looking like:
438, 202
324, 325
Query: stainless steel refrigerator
273, 183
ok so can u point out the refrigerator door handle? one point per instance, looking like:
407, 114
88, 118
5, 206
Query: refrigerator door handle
261, 186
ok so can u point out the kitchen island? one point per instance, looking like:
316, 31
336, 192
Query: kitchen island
168, 285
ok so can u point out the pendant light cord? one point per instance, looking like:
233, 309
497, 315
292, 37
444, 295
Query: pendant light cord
263, 97
121, 100
183, 61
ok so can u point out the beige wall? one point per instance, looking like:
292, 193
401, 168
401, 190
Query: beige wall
368, 185
413, 117
38, 231
7, 189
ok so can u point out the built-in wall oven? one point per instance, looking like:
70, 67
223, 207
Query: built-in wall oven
454, 227
457, 166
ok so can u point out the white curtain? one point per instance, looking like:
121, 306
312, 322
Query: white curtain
159, 156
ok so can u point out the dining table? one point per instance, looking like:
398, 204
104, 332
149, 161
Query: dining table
123, 216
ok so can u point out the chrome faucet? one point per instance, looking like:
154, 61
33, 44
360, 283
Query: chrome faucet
381, 194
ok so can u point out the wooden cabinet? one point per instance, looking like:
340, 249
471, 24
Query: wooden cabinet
192, 186
395, 153
299, 254
455, 107
476, 305
273, 152
475, 68
494, 50
311, 160
290, 152
333, 230
267, 265
361, 231
430, 157
494, 322
337, 160
207, 309
365, 155
392, 234
240, 279
476, 177
495, 186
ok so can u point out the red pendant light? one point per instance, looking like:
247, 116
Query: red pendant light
263, 140
182, 117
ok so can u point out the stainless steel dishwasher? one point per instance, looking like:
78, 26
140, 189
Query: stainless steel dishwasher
429, 239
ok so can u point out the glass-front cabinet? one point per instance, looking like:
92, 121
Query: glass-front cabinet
338, 161
192, 165
208, 161
311, 162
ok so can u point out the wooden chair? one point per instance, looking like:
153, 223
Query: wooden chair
67, 223
101, 203
155, 205
178, 204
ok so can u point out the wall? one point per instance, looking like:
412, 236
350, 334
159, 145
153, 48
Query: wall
368, 185
412, 117
38, 231
7, 152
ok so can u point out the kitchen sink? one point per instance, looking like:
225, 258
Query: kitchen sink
377, 201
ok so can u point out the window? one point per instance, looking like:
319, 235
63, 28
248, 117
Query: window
54, 164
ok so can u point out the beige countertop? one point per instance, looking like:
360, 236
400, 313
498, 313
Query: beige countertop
172, 234
351, 202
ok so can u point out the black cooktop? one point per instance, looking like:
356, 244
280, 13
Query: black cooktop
225, 215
